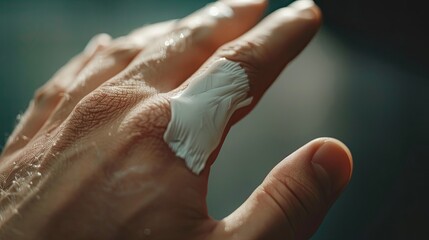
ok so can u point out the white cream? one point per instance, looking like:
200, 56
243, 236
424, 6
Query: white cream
199, 113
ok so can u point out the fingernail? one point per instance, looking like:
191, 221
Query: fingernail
333, 165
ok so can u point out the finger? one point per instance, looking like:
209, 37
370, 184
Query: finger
264, 51
233, 80
142, 35
174, 58
295, 196
106, 65
49, 95
116, 58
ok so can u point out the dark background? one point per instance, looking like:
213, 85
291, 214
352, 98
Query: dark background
364, 80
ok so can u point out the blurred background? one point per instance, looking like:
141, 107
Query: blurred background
364, 80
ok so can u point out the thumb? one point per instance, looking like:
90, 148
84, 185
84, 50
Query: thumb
295, 196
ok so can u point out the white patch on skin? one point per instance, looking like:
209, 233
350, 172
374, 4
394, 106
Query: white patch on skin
200, 113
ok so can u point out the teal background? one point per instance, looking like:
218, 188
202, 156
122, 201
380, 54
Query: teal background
338, 87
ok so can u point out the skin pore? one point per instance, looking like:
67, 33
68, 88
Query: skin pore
88, 159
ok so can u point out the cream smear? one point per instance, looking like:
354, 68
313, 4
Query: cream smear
200, 113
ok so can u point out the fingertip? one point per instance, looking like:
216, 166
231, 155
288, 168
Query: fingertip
297, 193
305, 10
103, 38
340, 145
314, 14
333, 160
344, 147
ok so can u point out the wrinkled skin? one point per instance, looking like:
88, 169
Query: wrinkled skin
88, 160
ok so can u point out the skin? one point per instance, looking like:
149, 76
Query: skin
88, 160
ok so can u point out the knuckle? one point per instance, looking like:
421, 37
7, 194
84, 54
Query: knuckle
180, 39
249, 54
149, 120
187, 36
121, 48
97, 43
99, 107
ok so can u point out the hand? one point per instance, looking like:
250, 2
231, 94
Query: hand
88, 159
